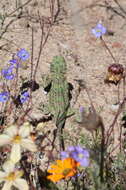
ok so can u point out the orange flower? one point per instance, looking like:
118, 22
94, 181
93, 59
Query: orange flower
63, 169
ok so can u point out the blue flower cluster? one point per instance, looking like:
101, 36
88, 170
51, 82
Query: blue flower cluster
8, 73
78, 153
22, 55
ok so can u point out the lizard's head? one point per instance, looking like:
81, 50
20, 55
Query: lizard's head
58, 65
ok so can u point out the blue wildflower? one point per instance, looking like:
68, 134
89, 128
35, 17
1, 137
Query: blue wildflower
24, 97
23, 54
99, 30
81, 155
78, 153
4, 96
7, 73
66, 154
13, 63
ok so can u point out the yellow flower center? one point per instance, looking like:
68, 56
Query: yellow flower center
11, 176
16, 139
80, 155
66, 171
98, 31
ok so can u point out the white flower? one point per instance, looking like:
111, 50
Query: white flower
18, 138
12, 177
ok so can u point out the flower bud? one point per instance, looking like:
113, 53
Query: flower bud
115, 73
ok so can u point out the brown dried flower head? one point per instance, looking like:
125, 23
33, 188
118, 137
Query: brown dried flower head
115, 73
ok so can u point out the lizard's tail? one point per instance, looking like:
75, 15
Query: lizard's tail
60, 122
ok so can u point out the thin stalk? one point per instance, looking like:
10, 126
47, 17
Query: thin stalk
105, 45
110, 130
102, 153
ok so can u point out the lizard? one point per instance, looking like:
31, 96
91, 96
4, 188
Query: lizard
59, 101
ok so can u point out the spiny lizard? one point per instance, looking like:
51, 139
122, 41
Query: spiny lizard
59, 101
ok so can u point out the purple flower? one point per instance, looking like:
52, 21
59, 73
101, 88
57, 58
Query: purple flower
4, 96
24, 96
99, 30
64, 154
13, 63
7, 73
79, 154
23, 54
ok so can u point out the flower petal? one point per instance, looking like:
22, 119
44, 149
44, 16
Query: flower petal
7, 185
84, 162
11, 131
4, 139
55, 169
23, 54
78, 149
52, 171
15, 153
71, 148
28, 144
55, 178
71, 173
2, 175
86, 153
53, 166
8, 166
19, 173
69, 163
4, 96
64, 154
99, 30
21, 184
59, 163
25, 130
